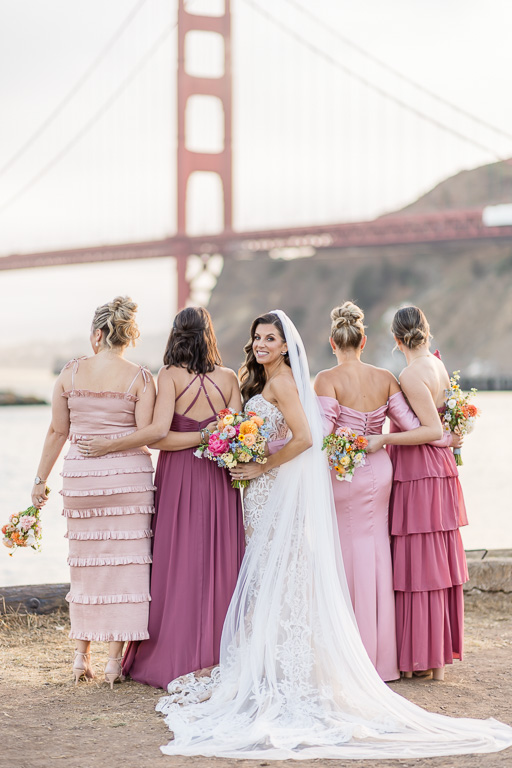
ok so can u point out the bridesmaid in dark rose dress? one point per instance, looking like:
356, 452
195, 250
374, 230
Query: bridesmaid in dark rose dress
426, 512
198, 530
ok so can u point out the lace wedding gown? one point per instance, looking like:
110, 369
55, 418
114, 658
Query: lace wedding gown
294, 680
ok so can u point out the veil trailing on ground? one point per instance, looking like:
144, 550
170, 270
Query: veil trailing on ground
295, 680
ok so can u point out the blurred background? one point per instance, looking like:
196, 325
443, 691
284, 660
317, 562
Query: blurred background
363, 151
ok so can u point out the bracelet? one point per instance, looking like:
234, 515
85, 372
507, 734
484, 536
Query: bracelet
203, 432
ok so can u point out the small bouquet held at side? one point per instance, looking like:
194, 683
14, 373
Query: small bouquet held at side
458, 414
346, 451
24, 529
238, 439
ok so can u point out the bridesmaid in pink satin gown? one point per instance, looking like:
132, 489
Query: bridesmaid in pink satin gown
198, 542
360, 396
427, 509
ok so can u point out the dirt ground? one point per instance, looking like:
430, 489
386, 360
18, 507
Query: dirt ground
47, 722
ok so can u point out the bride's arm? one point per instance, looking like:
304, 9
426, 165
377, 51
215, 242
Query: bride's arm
283, 392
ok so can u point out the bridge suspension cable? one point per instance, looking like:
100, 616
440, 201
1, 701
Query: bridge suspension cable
368, 83
396, 72
76, 88
102, 110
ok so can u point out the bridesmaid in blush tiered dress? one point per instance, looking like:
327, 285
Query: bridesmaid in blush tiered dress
427, 510
198, 542
359, 396
108, 501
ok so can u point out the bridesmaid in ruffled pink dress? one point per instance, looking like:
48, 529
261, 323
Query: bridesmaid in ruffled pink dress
198, 542
360, 396
427, 510
108, 501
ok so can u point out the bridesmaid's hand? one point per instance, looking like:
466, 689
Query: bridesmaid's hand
457, 440
249, 471
91, 447
375, 443
39, 495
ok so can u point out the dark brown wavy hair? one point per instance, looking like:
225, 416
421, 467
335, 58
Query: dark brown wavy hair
192, 343
252, 374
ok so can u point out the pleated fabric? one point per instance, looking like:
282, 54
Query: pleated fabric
108, 503
198, 547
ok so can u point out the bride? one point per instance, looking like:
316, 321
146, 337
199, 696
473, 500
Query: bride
294, 680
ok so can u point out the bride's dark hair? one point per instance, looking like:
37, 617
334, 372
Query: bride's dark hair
192, 343
252, 374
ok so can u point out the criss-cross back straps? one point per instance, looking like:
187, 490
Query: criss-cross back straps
201, 388
145, 376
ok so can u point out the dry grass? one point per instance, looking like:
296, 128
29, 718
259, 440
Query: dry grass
89, 725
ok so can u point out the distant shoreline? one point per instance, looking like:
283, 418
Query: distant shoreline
11, 398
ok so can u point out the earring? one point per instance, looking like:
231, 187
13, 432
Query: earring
284, 354
97, 344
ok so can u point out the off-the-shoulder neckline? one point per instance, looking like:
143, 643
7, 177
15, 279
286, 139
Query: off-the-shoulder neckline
354, 410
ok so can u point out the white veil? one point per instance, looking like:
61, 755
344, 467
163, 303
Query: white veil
295, 680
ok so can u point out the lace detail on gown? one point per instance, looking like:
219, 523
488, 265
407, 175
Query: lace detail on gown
294, 680
257, 493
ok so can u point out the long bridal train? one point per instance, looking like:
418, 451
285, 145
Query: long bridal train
295, 680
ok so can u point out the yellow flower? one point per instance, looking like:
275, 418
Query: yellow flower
245, 457
229, 419
344, 461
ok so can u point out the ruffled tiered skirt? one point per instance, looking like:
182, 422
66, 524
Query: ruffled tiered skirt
108, 503
429, 565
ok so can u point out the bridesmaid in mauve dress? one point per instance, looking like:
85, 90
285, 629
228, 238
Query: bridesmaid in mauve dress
198, 542
108, 501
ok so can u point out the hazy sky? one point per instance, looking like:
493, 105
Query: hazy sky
311, 143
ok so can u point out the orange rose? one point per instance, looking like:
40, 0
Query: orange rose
249, 440
248, 428
257, 420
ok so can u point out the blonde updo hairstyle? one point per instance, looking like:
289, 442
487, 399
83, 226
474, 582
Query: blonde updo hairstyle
410, 326
347, 327
117, 321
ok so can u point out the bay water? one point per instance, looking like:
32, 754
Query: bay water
486, 479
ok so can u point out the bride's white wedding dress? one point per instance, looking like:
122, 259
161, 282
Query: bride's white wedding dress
295, 681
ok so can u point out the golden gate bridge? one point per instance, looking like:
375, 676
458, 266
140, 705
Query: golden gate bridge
392, 229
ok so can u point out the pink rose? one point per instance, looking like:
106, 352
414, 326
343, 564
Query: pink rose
27, 521
216, 446
229, 431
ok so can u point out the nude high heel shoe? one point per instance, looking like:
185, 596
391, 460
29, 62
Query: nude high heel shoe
81, 667
111, 677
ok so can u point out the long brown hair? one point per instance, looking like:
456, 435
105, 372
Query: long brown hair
252, 374
192, 343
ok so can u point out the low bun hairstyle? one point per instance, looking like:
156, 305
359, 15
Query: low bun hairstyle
252, 374
117, 321
410, 326
192, 343
347, 327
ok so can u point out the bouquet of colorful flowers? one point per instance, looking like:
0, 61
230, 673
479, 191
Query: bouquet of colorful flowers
24, 529
458, 414
238, 439
346, 451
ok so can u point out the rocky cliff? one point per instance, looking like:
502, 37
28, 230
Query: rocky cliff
465, 289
